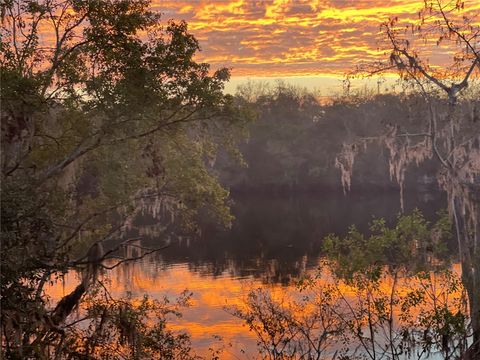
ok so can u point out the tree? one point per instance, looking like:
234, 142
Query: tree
373, 298
105, 113
451, 134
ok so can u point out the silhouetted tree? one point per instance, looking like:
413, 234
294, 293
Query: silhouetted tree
451, 131
104, 113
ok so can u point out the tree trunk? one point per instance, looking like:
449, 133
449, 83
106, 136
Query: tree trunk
472, 286
470, 261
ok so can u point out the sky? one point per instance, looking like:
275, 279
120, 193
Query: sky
310, 43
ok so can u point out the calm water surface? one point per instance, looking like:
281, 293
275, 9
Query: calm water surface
274, 240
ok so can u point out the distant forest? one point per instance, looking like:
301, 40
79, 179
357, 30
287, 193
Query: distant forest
293, 143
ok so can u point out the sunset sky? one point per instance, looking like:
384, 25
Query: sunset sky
312, 43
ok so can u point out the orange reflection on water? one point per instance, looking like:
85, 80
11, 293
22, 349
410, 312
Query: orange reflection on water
203, 320
207, 317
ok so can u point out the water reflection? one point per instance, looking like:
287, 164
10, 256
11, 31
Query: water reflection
204, 320
277, 238
273, 240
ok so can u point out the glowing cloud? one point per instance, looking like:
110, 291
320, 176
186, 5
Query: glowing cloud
289, 37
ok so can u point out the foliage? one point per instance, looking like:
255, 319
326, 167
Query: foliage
412, 245
389, 318
105, 112
294, 143
450, 136
288, 328
364, 304
129, 328
407, 299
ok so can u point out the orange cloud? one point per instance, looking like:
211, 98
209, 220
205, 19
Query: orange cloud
293, 37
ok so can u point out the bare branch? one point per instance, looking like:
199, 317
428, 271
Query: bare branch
151, 251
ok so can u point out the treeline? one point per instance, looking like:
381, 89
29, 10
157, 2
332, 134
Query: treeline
294, 142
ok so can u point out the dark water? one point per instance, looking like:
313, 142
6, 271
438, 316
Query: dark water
273, 240
276, 238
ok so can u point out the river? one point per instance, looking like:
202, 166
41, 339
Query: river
273, 241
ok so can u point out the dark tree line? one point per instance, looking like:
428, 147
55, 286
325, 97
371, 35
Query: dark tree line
294, 142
